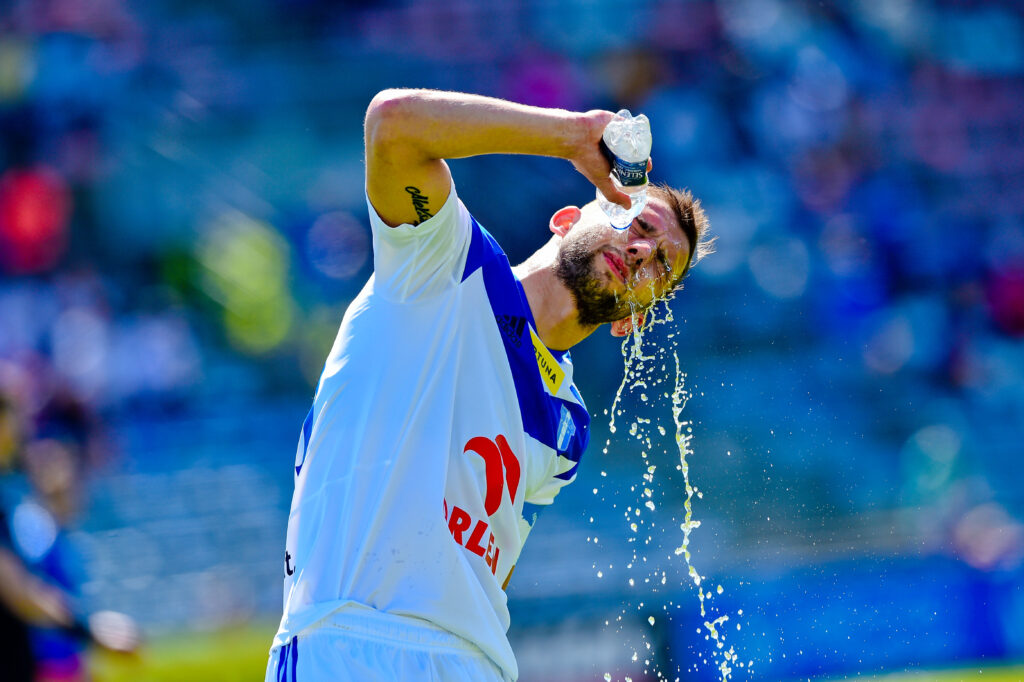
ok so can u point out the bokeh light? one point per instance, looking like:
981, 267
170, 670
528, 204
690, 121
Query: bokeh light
245, 269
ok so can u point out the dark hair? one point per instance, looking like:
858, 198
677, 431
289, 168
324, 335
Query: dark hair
692, 219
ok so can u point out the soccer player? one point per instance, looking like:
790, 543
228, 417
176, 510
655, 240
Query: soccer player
446, 411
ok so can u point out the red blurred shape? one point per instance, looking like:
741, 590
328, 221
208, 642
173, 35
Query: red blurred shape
35, 207
1006, 298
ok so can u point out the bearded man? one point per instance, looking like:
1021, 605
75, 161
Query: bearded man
446, 412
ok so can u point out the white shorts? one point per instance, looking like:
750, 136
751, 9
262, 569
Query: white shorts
360, 643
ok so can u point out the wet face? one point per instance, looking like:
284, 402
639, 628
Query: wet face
611, 273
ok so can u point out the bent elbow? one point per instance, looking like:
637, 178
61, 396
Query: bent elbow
387, 117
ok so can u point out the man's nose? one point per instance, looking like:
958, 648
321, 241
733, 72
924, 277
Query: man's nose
639, 250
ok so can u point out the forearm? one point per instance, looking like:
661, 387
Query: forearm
28, 597
448, 125
409, 133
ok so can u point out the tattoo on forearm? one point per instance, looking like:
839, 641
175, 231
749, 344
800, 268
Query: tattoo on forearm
419, 204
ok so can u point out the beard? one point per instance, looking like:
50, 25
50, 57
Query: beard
594, 304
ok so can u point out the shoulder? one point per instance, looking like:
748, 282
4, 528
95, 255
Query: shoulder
484, 250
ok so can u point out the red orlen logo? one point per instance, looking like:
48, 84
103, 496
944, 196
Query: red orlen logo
501, 466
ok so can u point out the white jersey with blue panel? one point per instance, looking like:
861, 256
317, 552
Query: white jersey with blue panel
440, 416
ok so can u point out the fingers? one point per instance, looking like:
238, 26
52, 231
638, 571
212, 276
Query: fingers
589, 160
596, 170
613, 194
650, 165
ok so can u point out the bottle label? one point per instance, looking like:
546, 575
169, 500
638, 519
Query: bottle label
628, 173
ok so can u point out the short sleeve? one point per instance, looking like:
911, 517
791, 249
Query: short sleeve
561, 472
417, 262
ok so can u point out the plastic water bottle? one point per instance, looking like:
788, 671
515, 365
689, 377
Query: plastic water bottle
627, 144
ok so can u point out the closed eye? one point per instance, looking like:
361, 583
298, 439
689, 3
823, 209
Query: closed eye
665, 265
644, 225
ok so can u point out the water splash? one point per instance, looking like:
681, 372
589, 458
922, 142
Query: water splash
728, 656
683, 436
645, 373
633, 354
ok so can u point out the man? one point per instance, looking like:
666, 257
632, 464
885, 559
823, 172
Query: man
37, 621
446, 410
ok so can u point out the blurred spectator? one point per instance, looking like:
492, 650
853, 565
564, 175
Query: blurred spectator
39, 524
24, 599
39, 573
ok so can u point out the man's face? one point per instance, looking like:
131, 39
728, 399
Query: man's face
611, 273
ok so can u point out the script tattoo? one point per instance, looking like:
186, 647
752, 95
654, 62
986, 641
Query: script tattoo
419, 203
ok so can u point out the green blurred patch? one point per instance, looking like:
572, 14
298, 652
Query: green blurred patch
985, 672
233, 655
240, 655
244, 265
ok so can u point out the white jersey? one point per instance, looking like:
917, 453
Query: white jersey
439, 423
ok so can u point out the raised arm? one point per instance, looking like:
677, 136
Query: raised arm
409, 133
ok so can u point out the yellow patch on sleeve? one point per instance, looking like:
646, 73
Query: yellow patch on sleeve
550, 371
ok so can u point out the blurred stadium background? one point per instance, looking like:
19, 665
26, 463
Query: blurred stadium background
182, 224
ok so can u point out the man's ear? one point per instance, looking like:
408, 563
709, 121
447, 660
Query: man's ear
624, 327
563, 220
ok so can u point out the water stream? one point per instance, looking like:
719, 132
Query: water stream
648, 373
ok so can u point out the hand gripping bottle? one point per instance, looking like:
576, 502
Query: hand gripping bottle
627, 144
